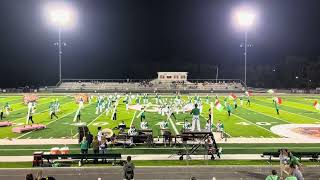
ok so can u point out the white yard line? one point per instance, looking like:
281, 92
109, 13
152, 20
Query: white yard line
134, 115
173, 126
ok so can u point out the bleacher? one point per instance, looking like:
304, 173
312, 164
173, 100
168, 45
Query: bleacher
121, 85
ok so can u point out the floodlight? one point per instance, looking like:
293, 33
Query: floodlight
60, 14
244, 17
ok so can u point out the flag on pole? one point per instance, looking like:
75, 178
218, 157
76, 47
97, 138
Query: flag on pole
316, 105
278, 100
248, 93
218, 106
270, 91
232, 96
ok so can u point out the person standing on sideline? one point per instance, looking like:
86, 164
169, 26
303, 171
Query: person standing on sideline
128, 169
195, 119
95, 147
89, 138
84, 147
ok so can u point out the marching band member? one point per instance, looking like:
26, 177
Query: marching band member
57, 103
132, 132
170, 113
195, 119
52, 109
144, 125
121, 127
1, 113
187, 125
164, 125
81, 103
220, 128
31, 111
7, 109
209, 125
241, 100
142, 116
157, 98
207, 99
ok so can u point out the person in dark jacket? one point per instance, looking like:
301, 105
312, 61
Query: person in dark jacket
89, 138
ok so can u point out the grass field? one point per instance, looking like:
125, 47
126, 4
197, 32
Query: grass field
247, 121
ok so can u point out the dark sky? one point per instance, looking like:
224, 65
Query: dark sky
137, 38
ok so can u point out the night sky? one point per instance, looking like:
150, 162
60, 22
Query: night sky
137, 38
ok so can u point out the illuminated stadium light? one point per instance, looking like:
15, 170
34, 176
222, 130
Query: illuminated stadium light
61, 15
245, 18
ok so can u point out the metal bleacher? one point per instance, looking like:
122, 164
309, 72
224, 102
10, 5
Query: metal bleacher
147, 85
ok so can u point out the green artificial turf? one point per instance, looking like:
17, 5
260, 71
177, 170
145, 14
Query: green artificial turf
246, 121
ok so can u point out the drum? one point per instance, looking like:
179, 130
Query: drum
55, 150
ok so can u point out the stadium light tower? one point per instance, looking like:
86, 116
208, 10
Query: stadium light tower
61, 16
245, 19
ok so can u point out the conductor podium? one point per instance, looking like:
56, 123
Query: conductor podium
204, 138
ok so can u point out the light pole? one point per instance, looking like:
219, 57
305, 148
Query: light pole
60, 54
245, 20
60, 16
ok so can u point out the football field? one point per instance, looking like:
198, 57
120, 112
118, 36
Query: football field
255, 120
